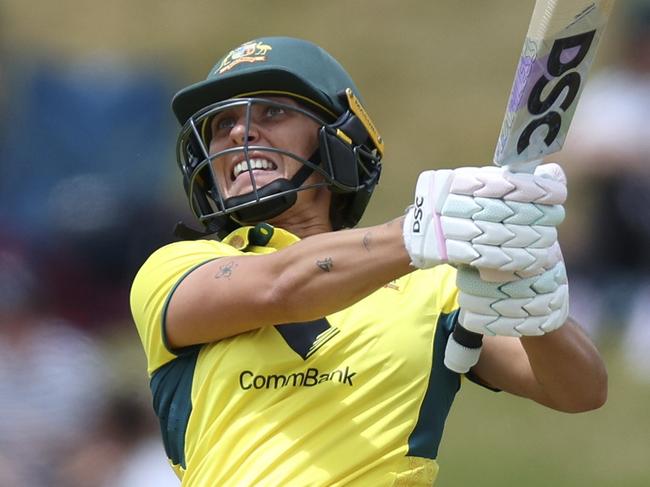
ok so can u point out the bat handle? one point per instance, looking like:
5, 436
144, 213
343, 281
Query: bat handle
524, 166
463, 349
464, 346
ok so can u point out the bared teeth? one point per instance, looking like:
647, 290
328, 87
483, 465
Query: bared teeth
263, 164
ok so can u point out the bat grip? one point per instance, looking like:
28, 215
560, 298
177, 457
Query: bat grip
464, 346
463, 349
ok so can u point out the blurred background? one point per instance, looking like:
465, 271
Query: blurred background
89, 188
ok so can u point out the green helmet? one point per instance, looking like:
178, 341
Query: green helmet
350, 148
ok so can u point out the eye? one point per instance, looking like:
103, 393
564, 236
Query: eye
223, 123
274, 111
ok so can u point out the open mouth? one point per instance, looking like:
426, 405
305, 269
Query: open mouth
257, 164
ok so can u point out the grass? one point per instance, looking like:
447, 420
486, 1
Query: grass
493, 439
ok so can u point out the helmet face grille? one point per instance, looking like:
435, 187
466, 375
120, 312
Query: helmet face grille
343, 161
210, 170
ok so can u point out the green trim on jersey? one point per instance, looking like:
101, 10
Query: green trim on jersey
171, 387
443, 385
163, 328
306, 338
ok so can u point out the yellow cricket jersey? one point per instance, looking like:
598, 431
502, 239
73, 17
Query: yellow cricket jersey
356, 398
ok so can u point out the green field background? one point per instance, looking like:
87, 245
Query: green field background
435, 75
500, 440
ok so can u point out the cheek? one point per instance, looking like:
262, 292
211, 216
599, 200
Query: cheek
307, 144
219, 166
215, 146
312, 144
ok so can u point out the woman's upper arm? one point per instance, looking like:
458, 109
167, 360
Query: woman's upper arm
504, 365
306, 280
562, 369
219, 299
156, 282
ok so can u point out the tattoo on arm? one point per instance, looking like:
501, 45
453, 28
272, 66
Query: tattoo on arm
366, 241
225, 270
325, 264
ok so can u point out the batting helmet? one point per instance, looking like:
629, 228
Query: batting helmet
350, 148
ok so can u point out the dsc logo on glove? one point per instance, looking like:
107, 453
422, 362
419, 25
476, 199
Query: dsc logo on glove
417, 214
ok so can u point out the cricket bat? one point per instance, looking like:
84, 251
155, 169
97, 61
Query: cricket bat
560, 46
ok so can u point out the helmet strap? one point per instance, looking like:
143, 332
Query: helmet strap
273, 207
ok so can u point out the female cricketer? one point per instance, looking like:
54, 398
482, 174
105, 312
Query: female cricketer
286, 347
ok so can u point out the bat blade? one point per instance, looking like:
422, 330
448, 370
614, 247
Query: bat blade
560, 47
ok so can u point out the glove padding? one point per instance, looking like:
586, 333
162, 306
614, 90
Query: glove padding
488, 218
524, 307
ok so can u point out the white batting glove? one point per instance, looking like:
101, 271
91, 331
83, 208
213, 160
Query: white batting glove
488, 218
524, 307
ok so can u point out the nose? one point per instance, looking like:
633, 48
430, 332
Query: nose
238, 133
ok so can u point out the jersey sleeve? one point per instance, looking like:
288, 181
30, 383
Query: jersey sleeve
154, 285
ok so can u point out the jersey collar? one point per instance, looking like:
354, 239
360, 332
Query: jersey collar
260, 235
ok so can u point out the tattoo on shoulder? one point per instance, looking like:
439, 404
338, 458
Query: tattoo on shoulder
366, 241
225, 270
325, 264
